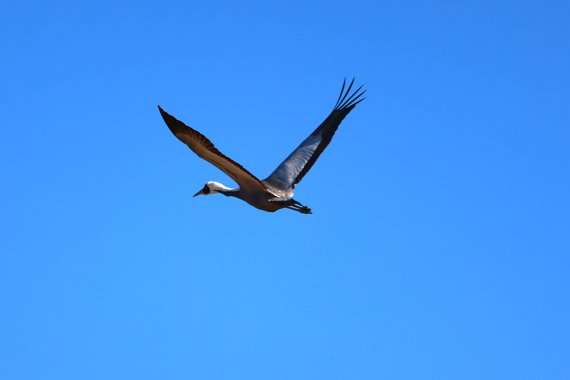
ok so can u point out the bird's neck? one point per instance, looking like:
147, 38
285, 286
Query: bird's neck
229, 192
217, 187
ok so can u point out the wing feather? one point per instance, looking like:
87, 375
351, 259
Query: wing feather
291, 171
205, 149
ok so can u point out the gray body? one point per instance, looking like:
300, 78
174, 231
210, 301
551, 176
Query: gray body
276, 191
266, 200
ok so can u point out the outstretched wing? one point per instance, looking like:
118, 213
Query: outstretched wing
294, 168
205, 149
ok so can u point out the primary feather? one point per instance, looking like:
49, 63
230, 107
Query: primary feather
293, 169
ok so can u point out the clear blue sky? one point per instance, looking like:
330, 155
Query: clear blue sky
439, 247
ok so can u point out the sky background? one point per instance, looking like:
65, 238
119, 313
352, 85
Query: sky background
440, 241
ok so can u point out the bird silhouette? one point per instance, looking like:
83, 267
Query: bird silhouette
276, 191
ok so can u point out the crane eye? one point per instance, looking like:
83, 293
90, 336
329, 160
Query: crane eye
206, 190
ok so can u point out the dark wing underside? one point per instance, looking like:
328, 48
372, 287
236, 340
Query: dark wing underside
293, 169
205, 149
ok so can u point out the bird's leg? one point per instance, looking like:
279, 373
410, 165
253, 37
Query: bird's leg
299, 207
302, 210
292, 204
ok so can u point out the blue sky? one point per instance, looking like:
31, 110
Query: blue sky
439, 244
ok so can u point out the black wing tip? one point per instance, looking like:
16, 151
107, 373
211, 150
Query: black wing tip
344, 100
162, 111
172, 123
168, 118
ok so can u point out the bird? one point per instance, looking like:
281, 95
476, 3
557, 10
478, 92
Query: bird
276, 191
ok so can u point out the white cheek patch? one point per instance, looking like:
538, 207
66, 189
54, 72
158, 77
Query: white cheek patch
216, 187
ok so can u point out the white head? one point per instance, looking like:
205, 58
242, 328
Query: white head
212, 188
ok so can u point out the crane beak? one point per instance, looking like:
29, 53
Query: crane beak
198, 193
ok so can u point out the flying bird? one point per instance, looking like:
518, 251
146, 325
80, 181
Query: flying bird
276, 191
